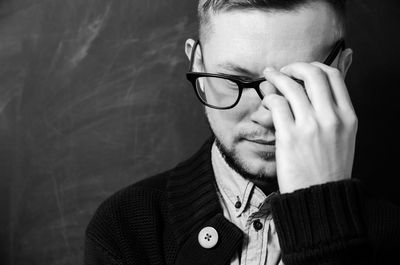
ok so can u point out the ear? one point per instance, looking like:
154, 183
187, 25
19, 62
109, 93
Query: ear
189, 45
345, 60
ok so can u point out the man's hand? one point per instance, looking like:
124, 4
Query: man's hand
315, 127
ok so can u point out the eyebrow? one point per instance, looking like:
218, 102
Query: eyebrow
237, 69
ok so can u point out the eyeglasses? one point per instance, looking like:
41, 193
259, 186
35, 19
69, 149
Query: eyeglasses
222, 91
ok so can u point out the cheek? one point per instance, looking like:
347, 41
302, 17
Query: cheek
231, 119
222, 120
225, 123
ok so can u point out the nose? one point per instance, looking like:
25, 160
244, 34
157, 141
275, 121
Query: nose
267, 88
261, 114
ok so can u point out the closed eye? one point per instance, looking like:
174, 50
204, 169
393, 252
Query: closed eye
240, 77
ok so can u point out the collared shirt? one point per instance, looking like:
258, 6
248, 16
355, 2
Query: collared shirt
239, 199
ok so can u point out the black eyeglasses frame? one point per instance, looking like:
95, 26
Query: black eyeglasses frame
255, 84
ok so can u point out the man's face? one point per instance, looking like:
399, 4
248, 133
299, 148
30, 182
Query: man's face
244, 43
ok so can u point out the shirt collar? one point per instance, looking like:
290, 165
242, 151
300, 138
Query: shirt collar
233, 186
193, 205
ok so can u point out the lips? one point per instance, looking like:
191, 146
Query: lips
262, 141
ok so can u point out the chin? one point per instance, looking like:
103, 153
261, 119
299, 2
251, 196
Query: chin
258, 166
251, 163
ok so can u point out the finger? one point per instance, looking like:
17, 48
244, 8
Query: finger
317, 86
339, 88
292, 91
282, 115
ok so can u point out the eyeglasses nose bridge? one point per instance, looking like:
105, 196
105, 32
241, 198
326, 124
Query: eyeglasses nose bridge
254, 85
265, 88
257, 87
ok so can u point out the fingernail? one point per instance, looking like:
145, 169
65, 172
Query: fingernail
269, 69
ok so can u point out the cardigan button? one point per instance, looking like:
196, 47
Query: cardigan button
208, 237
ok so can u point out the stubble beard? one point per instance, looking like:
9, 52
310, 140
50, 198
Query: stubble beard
238, 165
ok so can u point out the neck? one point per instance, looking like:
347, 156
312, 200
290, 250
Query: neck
268, 185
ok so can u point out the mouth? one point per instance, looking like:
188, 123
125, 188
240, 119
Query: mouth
262, 141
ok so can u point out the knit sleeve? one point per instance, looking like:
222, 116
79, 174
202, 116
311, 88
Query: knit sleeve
127, 228
96, 255
101, 238
322, 224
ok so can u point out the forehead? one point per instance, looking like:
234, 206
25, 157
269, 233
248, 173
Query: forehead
255, 37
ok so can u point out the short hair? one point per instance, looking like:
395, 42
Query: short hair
205, 7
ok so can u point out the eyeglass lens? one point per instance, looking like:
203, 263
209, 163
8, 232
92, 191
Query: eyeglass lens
217, 92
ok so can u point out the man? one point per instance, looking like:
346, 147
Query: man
273, 185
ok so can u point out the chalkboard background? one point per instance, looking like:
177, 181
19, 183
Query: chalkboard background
93, 98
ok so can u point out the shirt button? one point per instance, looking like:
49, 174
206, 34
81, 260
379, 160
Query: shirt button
238, 204
208, 237
257, 225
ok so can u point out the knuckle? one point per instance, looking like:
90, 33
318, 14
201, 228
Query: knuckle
353, 122
351, 119
310, 128
332, 123
314, 70
334, 72
276, 99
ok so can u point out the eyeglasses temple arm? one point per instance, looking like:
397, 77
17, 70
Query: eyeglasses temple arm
340, 45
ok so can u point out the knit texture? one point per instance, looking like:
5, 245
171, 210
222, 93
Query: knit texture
157, 221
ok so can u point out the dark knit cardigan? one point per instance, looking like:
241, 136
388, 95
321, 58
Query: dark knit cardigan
157, 221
